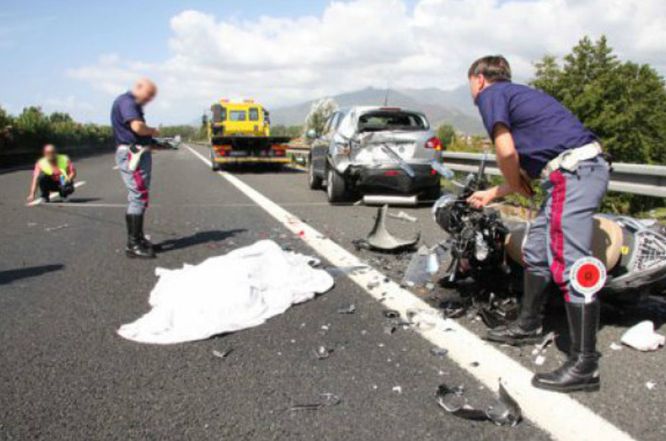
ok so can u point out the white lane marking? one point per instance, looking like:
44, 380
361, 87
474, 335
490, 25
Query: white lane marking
558, 414
53, 196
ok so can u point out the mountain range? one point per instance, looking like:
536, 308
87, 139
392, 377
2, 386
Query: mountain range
454, 106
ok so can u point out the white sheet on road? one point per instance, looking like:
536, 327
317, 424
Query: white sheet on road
227, 293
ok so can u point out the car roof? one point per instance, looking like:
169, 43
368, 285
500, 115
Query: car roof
365, 109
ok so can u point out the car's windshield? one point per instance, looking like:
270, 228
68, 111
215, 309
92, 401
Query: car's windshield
391, 120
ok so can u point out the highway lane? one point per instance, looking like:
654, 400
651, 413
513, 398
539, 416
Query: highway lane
625, 399
65, 287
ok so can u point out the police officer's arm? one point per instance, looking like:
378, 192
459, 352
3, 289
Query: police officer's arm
71, 171
507, 160
33, 186
142, 129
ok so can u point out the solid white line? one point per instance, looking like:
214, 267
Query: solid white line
53, 197
558, 414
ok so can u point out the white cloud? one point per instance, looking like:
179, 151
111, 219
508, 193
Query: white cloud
360, 43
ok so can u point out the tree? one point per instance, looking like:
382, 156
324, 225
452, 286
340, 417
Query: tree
622, 102
320, 111
447, 135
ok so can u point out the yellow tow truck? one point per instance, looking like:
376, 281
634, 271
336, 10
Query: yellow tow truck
240, 133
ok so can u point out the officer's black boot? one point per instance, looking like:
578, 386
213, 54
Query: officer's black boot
144, 241
135, 245
581, 370
527, 328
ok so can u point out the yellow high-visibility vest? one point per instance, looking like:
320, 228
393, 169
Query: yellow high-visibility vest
62, 162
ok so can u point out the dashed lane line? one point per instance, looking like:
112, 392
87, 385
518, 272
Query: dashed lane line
561, 416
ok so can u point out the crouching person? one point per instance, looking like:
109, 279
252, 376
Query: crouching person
52, 173
533, 132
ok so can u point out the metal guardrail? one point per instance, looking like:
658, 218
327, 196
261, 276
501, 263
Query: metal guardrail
647, 180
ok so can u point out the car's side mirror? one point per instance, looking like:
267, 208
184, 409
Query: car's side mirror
311, 134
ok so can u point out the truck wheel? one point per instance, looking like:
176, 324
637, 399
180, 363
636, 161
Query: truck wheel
214, 165
336, 187
314, 181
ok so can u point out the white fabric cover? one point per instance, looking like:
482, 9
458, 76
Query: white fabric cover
227, 293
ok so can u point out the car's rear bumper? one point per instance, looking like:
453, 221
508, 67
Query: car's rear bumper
392, 179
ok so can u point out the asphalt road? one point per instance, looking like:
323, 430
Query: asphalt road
65, 287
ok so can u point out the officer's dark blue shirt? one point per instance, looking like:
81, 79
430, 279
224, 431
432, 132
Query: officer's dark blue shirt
125, 110
541, 127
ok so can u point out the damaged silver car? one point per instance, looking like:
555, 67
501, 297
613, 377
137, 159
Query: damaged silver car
375, 150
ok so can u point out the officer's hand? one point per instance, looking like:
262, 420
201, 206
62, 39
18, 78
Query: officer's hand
30, 198
480, 199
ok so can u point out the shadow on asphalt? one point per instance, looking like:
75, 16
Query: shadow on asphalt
200, 238
10, 276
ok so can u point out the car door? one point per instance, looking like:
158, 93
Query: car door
320, 146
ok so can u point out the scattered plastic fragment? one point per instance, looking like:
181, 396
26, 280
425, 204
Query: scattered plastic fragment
505, 412
391, 313
322, 352
397, 389
616, 347
328, 400
539, 360
643, 337
650, 385
222, 354
348, 309
439, 352
390, 329
548, 339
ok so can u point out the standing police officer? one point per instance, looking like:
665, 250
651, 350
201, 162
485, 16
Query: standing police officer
535, 133
133, 156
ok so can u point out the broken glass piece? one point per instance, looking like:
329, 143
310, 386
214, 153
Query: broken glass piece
348, 309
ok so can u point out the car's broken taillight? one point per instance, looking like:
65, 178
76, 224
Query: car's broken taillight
434, 143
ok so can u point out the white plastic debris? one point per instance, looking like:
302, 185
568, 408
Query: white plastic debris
397, 389
643, 337
539, 360
227, 293
616, 347
650, 385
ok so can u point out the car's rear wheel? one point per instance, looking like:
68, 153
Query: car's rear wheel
314, 181
336, 187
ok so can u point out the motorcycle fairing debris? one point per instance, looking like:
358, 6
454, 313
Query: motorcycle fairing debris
380, 239
505, 412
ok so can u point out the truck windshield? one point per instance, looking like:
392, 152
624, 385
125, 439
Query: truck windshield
391, 120
237, 115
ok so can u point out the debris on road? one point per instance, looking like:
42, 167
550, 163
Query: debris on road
397, 389
348, 309
391, 314
322, 352
401, 215
328, 400
59, 227
439, 352
650, 385
222, 354
505, 412
381, 240
227, 293
615, 347
643, 337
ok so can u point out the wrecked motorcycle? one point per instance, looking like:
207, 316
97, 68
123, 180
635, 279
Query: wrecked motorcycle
485, 247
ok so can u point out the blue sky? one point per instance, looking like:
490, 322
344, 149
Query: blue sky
76, 55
